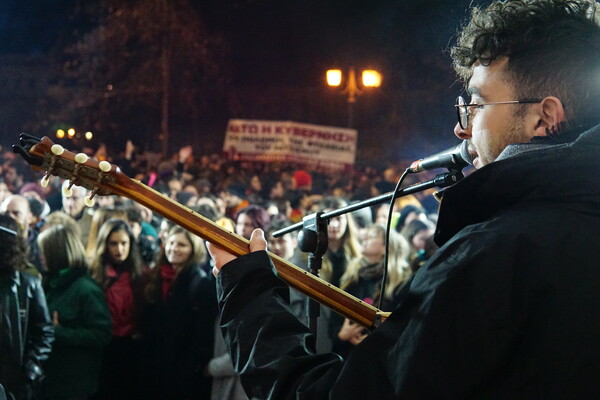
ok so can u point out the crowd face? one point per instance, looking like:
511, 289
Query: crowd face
244, 226
178, 250
420, 239
117, 246
337, 227
373, 247
74, 205
282, 246
492, 127
277, 191
255, 183
105, 201
18, 208
164, 231
175, 186
382, 215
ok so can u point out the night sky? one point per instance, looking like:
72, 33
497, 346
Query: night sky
291, 43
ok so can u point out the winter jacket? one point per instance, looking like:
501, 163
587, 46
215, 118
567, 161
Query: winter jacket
506, 309
25, 329
178, 338
82, 332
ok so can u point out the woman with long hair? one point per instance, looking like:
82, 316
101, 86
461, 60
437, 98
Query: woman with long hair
343, 246
363, 279
178, 321
100, 216
117, 267
343, 243
79, 314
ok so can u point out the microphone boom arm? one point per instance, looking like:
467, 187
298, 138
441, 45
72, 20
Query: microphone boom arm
441, 181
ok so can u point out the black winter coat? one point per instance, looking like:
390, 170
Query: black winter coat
506, 309
178, 338
26, 332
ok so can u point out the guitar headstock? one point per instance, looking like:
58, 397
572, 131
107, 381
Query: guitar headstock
79, 169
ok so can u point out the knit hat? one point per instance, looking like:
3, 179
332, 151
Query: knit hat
33, 187
302, 179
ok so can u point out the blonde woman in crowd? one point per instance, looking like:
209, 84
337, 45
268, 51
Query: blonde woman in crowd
343, 242
178, 321
363, 280
343, 246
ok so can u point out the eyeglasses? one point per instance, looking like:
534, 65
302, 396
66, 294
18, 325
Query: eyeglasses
463, 113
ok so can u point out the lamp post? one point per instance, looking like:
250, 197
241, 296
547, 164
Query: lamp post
370, 78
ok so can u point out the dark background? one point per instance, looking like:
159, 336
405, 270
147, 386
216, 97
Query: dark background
271, 63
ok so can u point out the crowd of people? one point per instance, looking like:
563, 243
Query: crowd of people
507, 307
126, 300
116, 302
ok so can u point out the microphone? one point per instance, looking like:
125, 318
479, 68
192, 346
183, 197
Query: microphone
456, 157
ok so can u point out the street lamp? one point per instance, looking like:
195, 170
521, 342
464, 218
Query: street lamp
72, 134
370, 78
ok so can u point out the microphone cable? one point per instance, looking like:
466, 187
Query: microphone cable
387, 238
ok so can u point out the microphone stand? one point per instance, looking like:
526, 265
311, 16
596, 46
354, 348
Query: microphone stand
312, 238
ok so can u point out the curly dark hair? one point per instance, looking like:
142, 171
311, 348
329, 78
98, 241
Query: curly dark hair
553, 49
13, 248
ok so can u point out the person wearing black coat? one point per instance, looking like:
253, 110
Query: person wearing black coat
177, 323
26, 332
507, 308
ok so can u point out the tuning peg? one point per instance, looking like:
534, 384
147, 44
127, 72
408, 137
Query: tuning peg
104, 166
81, 158
89, 201
45, 180
67, 191
57, 149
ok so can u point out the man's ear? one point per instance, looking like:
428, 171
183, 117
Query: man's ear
549, 115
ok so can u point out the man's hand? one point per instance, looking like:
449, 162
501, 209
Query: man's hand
222, 257
352, 332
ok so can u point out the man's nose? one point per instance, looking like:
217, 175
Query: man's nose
461, 133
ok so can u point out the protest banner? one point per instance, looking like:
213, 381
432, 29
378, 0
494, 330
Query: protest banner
315, 146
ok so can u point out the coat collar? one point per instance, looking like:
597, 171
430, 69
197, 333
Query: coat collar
534, 172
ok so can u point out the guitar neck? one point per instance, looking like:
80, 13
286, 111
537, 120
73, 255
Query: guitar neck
104, 179
298, 278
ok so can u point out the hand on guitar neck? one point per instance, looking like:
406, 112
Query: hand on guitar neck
222, 256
